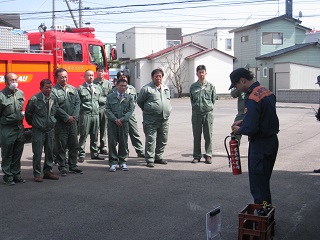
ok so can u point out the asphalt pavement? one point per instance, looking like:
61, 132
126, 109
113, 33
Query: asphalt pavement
171, 201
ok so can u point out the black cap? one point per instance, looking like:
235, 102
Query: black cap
237, 74
121, 73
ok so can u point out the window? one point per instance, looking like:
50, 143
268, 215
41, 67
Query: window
97, 55
171, 43
35, 48
72, 52
265, 72
123, 48
272, 38
244, 38
228, 44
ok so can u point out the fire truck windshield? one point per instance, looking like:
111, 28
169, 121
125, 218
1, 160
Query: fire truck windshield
96, 54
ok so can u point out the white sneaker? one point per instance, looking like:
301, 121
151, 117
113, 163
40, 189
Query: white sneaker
112, 168
124, 167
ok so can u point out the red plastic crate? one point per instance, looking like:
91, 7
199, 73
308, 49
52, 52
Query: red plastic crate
255, 227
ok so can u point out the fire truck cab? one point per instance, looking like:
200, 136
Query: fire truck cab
35, 56
76, 50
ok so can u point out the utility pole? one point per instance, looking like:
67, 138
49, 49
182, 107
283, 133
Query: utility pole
53, 14
71, 13
80, 13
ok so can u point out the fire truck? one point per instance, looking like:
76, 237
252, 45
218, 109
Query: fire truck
35, 56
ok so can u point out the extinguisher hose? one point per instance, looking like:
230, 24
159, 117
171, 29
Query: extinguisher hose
225, 145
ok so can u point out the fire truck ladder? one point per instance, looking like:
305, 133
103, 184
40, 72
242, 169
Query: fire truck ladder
58, 49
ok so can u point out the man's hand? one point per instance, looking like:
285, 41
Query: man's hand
71, 119
119, 123
235, 126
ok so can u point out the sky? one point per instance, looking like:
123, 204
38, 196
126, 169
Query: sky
110, 17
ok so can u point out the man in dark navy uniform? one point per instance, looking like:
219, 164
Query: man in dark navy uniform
261, 125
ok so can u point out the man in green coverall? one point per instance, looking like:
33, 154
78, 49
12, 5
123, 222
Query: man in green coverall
154, 100
240, 95
202, 97
120, 107
12, 132
40, 114
66, 129
133, 125
89, 94
106, 88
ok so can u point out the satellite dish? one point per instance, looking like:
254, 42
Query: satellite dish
300, 14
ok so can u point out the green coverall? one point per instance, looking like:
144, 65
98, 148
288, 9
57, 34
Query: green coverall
202, 97
89, 119
66, 134
12, 133
241, 105
105, 88
133, 124
118, 108
40, 114
156, 109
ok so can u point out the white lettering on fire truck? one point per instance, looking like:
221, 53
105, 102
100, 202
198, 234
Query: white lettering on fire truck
20, 79
23, 79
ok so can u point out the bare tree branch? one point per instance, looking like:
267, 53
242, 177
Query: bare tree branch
174, 68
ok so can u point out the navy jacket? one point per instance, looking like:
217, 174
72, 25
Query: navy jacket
260, 118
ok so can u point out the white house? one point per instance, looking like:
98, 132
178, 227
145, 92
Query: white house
219, 38
219, 66
138, 42
184, 58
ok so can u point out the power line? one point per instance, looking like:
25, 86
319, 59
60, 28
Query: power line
156, 4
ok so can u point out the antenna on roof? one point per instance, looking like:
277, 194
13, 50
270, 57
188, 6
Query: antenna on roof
246, 20
300, 14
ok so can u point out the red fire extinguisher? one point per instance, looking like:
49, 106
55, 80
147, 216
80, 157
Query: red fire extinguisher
234, 156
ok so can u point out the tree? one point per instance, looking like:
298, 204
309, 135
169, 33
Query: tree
174, 68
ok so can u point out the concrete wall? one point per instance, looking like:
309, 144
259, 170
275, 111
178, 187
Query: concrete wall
298, 95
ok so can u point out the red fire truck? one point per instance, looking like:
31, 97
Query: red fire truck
35, 56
